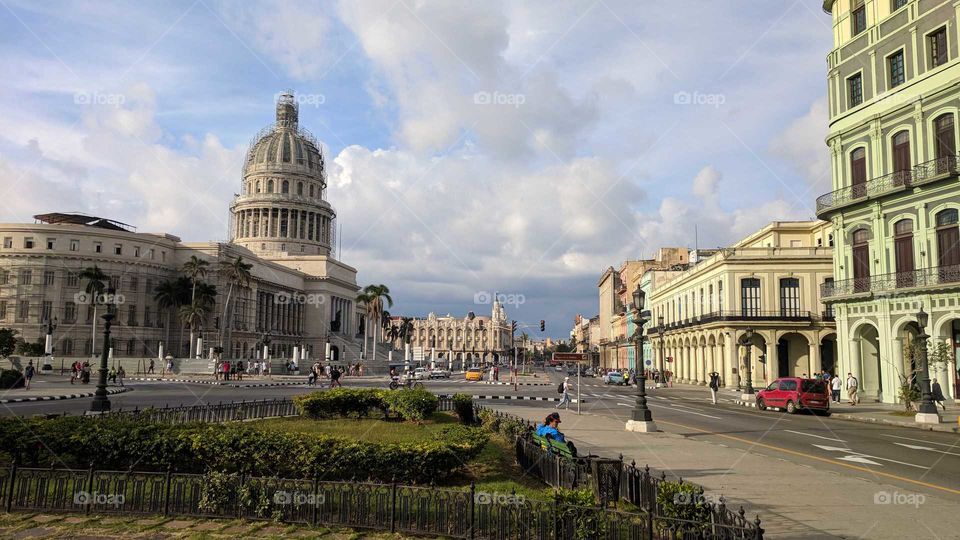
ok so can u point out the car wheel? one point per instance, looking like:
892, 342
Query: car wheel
791, 407
761, 405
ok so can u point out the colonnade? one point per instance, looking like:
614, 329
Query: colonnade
272, 222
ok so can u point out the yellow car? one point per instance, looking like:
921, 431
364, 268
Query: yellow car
474, 374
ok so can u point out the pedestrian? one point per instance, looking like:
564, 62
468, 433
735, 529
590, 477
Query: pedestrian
112, 376
150, 369
335, 377
565, 387
74, 371
85, 373
496, 373
226, 370
935, 391
852, 386
239, 370
836, 384
170, 365
121, 373
217, 367
28, 374
714, 386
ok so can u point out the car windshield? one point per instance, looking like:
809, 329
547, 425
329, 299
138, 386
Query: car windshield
819, 387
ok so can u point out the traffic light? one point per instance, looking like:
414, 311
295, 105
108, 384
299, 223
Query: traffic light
513, 327
543, 325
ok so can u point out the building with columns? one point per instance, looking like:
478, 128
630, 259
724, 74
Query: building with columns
893, 105
300, 295
463, 341
770, 282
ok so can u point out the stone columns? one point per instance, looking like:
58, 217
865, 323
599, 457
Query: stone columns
731, 361
813, 359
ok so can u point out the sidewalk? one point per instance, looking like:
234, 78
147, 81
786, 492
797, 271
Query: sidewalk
49, 389
793, 500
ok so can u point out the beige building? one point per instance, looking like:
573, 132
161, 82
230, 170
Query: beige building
459, 342
769, 282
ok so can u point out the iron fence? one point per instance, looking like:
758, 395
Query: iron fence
948, 276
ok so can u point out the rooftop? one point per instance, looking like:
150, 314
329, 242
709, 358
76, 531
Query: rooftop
58, 218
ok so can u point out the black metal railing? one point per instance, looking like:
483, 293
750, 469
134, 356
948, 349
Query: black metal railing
421, 510
737, 316
886, 283
920, 174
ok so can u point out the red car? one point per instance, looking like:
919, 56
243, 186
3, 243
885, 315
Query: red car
793, 394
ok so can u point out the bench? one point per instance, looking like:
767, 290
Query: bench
553, 446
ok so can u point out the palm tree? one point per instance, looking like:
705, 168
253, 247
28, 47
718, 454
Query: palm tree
375, 296
193, 315
237, 273
172, 294
194, 268
96, 283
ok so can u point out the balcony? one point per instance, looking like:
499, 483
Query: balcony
940, 276
739, 316
923, 173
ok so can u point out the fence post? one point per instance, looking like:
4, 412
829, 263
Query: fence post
315, 515
236, 496
90, 488
167, 481
556, 514
473, 504
759, 530
12, 478
393, 505
651, 501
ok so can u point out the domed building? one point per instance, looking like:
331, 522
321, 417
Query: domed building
299, 304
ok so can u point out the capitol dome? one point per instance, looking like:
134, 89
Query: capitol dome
281, 209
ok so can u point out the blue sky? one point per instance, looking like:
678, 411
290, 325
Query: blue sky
517, 147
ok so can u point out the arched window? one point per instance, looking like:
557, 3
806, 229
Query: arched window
948, 244
269, 186
945, 139
903, 250
901, 156
285, 187
311, 190
858, 172
300, 188
861, 260
258, 186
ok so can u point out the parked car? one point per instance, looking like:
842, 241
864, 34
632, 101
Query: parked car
794, 393
559, 367
474, 374
420, 374
587, 372
614, 377
439, 373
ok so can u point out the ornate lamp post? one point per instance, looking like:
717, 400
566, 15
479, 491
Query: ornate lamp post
642, 419
927, 413
101, 403
748, 393
48, 346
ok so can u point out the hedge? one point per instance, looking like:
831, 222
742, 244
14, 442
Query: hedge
232, 448
10, 379
463, 405
415, 405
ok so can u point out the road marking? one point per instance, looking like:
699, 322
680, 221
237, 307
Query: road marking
815, 458
918, 447
855, 456
812, 435
625, 404
860, 459
920, 440
686, 411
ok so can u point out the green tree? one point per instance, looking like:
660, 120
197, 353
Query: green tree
96, 283
8, 341
195, 268
238, 274
374, 297
170, 295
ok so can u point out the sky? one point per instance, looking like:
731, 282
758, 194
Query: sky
473, 148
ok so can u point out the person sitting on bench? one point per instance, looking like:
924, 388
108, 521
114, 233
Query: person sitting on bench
549, 430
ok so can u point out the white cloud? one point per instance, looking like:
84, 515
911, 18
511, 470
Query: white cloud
802, 144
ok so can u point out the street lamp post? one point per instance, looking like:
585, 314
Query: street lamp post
48, 346
748, 393
641, 419
927, 413
101, 403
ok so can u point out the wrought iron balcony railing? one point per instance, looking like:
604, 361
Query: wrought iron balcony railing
741, 315
920, 174
887, 283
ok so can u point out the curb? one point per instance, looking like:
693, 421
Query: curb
509, 383
110, 392
529, 398
748, 404
238, 384
943, 428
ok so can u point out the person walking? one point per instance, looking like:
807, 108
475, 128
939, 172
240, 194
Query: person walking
836, 384
714, 386
170, 365
852, 386
150, 369
112, 376
121, 373
85, 373
239, 370
565, 388
335, 377
28, 374
74, 371
936, 392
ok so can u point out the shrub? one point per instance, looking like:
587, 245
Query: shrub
10, 379
504, 425
415, 405
682, 501
463, 405
341, 403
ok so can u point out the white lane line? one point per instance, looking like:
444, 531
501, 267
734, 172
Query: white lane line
817, 436
861, 457
686, 411
625, 404
921, 440
918, 447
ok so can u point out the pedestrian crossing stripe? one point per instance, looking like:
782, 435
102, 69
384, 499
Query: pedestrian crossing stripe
527, 398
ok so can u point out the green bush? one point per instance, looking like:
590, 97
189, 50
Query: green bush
463, 405
415, 405
509, 427
341, 403
682, 501
10, 379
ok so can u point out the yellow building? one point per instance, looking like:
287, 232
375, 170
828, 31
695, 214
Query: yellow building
769, 282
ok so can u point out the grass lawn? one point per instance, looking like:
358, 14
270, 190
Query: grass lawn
371, 430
